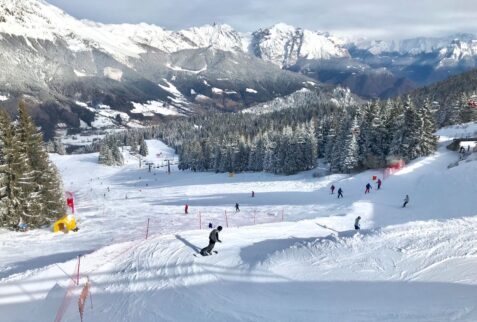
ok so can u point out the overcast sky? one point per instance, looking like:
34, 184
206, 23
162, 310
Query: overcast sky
371, 18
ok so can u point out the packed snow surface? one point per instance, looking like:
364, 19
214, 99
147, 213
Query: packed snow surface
290, 254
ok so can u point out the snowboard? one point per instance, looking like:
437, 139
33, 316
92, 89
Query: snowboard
198, 253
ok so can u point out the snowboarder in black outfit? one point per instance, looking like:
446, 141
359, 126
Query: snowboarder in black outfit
357, 225
379, 183
253, 194
213, 238
237, 208
406, 201
332, 189
368, 186
340, 193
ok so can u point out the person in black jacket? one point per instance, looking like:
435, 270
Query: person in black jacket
406, 201
340, 193
213, 238
368, 186
357, 225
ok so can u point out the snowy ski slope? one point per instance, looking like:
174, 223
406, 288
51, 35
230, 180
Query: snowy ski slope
412, 264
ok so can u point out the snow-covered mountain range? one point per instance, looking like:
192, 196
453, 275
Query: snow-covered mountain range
64, 64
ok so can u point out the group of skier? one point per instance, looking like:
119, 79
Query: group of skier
340, 191
214, 234
367, 190
186, 208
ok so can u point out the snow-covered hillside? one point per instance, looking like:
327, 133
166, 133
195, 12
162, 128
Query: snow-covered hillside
54, 60
284, 45
38, 20
290, 254
305, 97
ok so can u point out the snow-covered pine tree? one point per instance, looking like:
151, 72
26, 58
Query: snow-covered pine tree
242, 155
338, 150
143, 148
8, 216
105, 154
351, 149
45, 196
365, 138
118, 158
59, 146
194, 157
397, 126
289, 153
134, 147
109, 153
330, 142
427, 141
269, 153
468, 113
411, 147
372, 139
452, 112
320, 135
255, 159
310, 146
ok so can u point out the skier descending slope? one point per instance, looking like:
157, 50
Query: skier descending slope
379, 183
406, 201
332, 189
213, 238
368, 186
340, 193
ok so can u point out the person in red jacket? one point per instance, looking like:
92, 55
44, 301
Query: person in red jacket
186, 209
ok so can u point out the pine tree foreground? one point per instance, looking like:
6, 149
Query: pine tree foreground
31, 191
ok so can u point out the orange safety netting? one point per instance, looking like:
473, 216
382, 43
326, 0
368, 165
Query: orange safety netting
82, 299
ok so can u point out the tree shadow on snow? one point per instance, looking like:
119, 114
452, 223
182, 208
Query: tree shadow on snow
251, 301
42, 261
